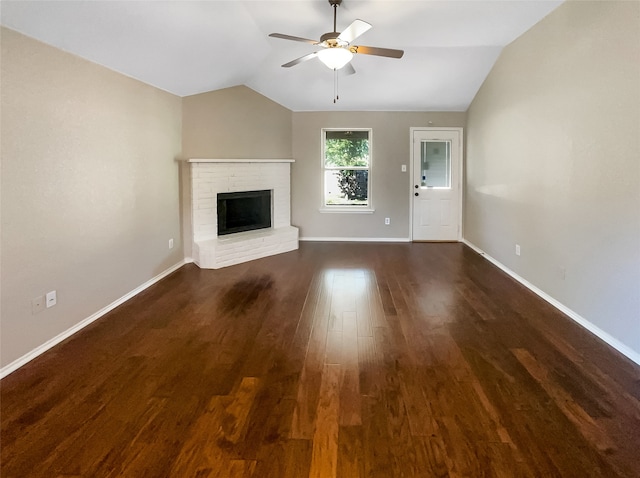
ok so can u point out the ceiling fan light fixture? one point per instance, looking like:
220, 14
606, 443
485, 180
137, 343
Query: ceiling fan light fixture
335, 58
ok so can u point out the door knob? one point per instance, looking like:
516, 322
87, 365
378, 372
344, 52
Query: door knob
416, 186
417, 194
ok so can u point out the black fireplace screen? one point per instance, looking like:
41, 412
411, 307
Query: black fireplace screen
243, 211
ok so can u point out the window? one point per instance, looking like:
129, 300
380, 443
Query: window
435, 164
346, 161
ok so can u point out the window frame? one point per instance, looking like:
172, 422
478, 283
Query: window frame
346, 208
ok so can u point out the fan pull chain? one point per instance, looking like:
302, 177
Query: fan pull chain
335, 86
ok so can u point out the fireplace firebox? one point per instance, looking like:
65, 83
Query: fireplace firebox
243, 211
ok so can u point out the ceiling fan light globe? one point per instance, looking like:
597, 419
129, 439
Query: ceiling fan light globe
335, 58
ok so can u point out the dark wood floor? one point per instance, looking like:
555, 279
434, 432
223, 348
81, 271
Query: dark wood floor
348, 360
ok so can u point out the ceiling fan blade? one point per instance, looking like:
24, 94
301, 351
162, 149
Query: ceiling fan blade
348, 69
302, 59
289, 37
372, 50
353, 31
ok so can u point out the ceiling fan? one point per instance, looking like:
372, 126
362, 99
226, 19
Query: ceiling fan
337, 49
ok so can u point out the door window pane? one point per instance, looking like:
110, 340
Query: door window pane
435, 164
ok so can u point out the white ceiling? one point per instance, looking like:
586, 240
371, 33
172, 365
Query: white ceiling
189, 47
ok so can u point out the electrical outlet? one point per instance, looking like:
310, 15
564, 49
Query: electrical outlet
37, 304
171, 243
404, 168
52, 298
387, 221
517, 249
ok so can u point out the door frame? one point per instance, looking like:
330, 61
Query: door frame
460, 177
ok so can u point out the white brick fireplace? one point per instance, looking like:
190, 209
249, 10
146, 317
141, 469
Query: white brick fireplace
212, 176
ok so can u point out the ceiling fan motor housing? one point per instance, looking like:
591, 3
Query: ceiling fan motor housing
330, 40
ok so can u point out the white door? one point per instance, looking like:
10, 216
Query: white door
436, 189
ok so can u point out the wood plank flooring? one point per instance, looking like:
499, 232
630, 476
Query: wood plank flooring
336, 360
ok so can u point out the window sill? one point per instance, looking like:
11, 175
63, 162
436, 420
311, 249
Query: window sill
348, 210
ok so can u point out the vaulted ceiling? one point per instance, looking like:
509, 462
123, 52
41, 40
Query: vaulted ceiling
190, 47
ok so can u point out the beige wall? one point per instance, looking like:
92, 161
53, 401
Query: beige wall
553, 162
235, 123
390, 186
89, 188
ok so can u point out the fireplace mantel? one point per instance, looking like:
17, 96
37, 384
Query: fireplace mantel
209, 177
205, 160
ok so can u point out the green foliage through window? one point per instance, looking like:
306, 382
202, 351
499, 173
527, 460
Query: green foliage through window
346, 162
347, 152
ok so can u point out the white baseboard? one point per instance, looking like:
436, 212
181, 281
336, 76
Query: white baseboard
16, 364
597, 331
355, 239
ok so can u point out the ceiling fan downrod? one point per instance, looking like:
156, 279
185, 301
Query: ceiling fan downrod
334, 4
